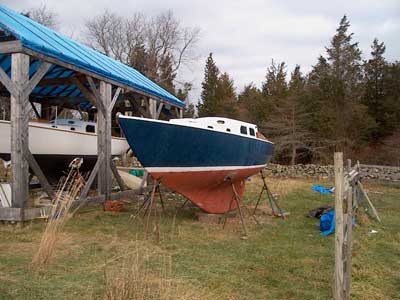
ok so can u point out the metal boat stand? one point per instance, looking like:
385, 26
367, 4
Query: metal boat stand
276, 210
148, 206
237, 199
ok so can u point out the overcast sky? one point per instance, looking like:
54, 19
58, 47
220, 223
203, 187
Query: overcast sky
245, 35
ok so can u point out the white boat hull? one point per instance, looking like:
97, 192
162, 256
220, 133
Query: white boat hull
54, 148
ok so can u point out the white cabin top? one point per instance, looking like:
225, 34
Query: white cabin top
220, 124
73, 125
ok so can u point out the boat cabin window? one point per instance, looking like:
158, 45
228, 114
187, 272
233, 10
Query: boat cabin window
210, 127
221, 122
228, 129
243, 129
73, 128
90, 128
252, 132
71, 122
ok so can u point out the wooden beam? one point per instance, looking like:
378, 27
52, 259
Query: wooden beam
115, 98
19, 131
100, 103
38, 172
8, 83
368, 200
159, 109
118, 177
56, 81
349, 243
41, 71
91, 178
10, 47
104, 139
338, 166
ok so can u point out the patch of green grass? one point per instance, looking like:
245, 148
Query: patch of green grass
281, 259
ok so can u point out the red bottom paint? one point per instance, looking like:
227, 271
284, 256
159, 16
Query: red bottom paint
210, 190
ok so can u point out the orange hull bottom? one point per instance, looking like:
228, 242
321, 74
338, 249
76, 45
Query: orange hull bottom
210, 190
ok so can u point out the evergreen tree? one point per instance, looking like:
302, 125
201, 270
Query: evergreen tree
210, 104
138, 57
375, 96
344, 100
225, 93
286, 124
251, 104
275, 84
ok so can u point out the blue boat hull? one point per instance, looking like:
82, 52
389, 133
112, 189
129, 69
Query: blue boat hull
201, 164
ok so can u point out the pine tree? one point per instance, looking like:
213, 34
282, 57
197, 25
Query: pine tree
346, 91
374, 97
138, 57
251, 104
275, 84
286, 123
226, 95
210, 105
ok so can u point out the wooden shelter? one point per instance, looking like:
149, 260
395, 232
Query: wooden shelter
38, 65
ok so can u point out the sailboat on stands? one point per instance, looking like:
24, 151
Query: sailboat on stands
206, 159
54, 144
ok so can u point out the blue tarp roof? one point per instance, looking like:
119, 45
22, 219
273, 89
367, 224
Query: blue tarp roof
43, 40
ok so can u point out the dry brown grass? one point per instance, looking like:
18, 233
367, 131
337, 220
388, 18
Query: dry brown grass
144, 274
69, 188
278, 186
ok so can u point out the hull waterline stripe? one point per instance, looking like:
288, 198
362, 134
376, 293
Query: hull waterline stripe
200, 169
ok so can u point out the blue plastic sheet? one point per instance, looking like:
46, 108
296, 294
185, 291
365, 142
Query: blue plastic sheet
321, 189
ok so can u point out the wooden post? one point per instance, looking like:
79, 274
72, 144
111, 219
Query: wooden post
152, 108
338, 286
181, 113
104, 140
19, 130
349, 243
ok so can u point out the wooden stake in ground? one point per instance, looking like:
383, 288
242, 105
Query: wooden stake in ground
338, 287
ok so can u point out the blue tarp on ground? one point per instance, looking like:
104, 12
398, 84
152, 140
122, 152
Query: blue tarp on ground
43, 40
321, 189
327, 223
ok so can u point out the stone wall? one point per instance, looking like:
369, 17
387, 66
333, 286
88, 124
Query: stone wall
368, 172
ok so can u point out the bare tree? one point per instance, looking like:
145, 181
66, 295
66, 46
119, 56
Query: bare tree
159, 40
43, 15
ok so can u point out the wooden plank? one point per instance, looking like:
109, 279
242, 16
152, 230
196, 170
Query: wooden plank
369, 201
159, 109
19, 131
100, 103
118, 177
349, 243
56, 81
91, 178
23, 214
115, 98
8, 83
10, 47
40, 175
40, 72
104, 140
338, 166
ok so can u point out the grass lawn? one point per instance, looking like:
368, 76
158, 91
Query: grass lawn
281, 259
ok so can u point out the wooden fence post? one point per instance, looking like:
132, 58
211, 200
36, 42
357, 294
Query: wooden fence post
19, 130
339, 182
104, 140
